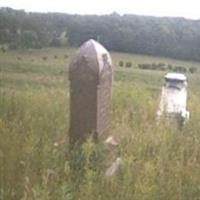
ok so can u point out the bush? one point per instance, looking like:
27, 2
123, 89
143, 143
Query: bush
66, 56
128, 64
180, 69
145, 66
44, 58
163, 68
55, 57
153, 66
3, 49
170, 67
121, 63
161, 64
192, 70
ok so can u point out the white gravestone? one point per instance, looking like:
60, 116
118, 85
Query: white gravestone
173, 101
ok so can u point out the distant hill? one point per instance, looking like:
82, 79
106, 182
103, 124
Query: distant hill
160, 36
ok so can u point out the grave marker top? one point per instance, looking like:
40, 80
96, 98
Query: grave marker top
90, 55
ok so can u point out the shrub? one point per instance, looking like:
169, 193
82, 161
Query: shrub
55, 57
192, 70
170, 67
144, 66
162, 68
153, 66
121, 63
44, 58
3, 49
180, 69
161, 64
66, 56
128, 64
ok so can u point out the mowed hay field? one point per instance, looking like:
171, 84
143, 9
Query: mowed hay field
159, 161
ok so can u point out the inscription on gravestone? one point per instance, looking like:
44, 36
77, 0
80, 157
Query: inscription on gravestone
90, 75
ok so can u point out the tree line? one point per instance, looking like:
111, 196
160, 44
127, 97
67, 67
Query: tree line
160, 36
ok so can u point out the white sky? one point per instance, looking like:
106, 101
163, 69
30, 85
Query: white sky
179, 8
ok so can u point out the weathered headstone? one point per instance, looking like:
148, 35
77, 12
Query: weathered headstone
174, 98
90, 75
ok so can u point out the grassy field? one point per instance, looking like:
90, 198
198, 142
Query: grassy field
36, 163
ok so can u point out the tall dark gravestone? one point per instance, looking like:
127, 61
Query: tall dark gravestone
90, 75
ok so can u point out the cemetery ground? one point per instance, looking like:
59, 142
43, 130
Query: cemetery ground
159, 162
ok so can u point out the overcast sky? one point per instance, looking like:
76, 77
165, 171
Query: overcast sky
178, 8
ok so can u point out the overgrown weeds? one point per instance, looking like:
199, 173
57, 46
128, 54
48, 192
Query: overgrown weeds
36, 161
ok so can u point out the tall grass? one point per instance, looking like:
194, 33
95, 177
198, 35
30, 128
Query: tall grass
36, 161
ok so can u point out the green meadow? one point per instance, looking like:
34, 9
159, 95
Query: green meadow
36, 161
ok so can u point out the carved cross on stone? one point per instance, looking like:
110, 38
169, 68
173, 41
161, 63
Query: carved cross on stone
90, 75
